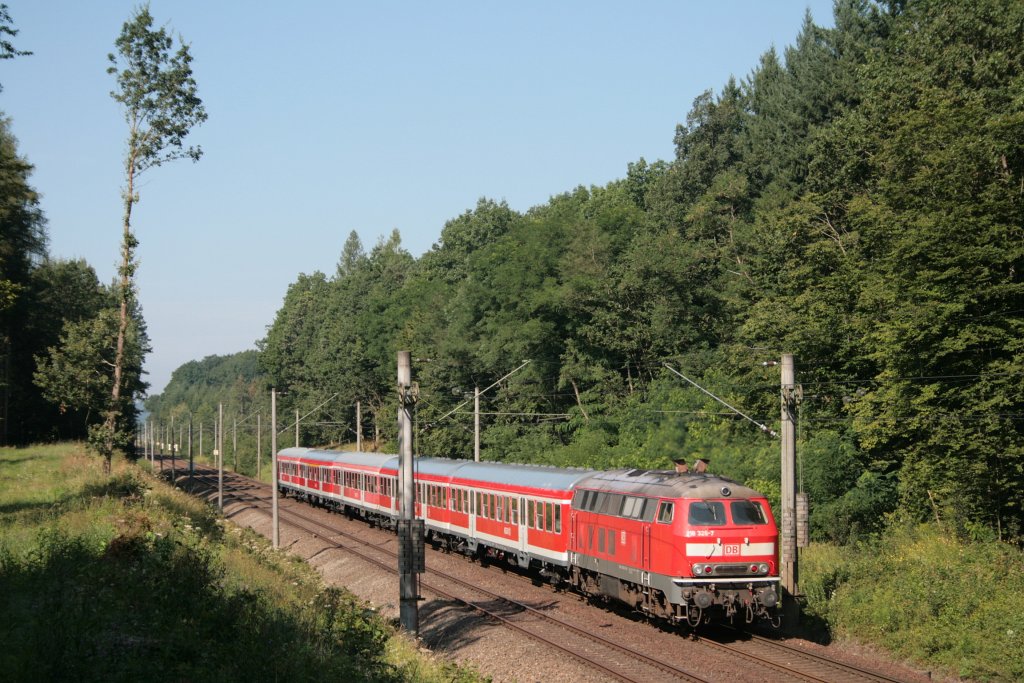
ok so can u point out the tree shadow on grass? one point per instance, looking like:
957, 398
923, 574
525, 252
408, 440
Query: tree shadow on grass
145, 608
18, 460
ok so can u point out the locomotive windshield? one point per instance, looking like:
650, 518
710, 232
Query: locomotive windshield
746, 512
712, 513
707, 513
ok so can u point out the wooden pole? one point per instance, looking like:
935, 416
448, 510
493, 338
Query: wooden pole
476, 424
359, 426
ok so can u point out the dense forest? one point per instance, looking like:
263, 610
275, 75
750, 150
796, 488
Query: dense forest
856, 200
57, 325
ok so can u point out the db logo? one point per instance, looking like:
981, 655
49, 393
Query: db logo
732, 549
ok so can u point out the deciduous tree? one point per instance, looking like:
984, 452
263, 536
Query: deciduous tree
158, 94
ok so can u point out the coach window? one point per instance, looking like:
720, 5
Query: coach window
515, 511
558, 519
665, 512
529, 514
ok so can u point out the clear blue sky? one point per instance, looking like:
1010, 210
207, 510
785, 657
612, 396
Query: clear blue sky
328, 117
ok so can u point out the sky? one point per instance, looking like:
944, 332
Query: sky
332, 117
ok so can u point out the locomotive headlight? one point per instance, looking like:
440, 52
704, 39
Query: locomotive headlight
697, 569
763, 568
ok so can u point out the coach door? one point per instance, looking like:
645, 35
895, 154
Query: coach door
519, 520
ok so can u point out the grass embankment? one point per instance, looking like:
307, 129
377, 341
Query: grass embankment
121, 577
927, 597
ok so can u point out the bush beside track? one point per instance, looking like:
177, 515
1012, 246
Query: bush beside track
925, 596
121, 577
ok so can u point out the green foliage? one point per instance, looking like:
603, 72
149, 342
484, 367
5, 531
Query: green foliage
157, 92
22, 242
75, 374
7, 49
942, 602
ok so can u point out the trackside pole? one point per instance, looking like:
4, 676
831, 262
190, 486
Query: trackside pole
275, 521
359, 426
407, 578
220, 457
788, 564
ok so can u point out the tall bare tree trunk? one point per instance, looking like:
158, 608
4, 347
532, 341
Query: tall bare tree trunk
127, 249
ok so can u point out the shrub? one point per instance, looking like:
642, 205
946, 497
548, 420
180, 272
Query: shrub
925, 595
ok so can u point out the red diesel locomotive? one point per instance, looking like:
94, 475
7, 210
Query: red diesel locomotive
686, 547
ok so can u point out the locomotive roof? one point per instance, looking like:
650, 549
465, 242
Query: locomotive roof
667, 484
530, 476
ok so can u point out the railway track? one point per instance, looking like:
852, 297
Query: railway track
795, 662
591, 649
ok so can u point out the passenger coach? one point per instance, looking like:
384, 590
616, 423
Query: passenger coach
516, 512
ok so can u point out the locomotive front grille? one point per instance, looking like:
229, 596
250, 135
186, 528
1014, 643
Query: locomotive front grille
732, 570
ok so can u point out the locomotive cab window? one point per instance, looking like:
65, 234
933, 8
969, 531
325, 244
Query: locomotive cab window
707, 513
666, 512
747, 512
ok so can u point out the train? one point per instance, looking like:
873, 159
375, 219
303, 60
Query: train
686, 547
